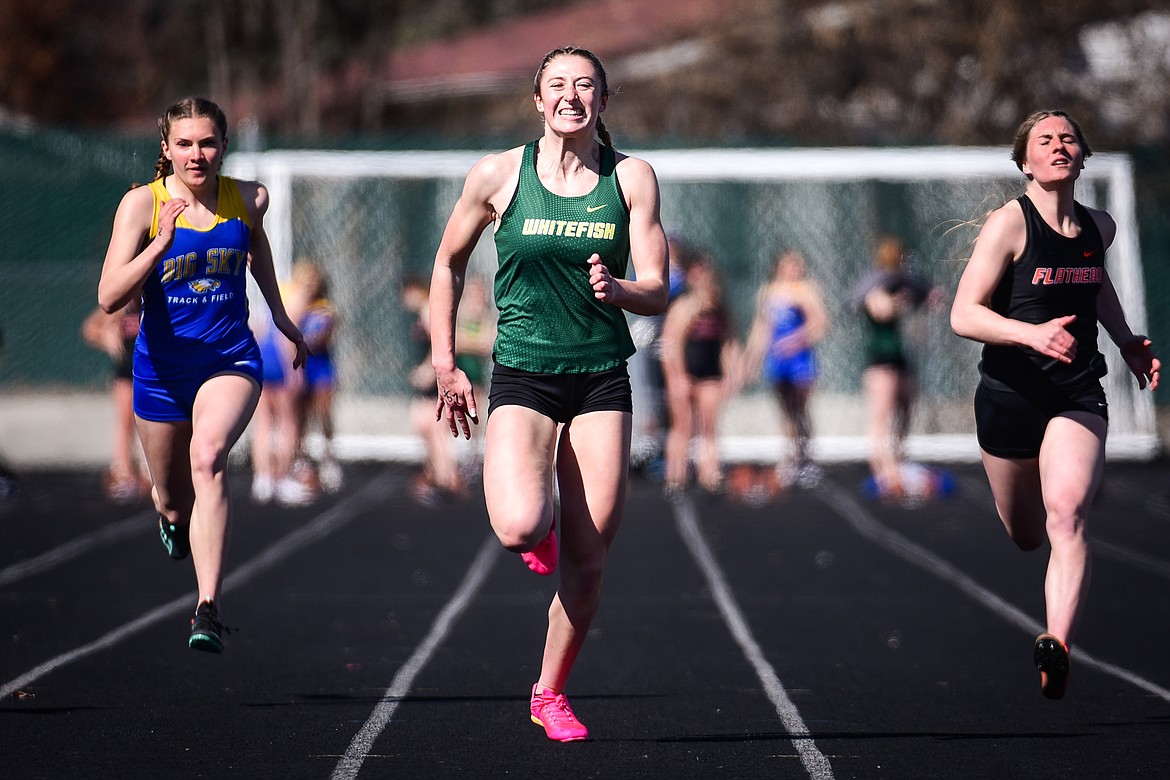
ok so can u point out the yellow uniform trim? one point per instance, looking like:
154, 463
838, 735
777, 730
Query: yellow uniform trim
229, 205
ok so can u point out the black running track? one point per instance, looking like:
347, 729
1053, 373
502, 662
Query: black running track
821, 636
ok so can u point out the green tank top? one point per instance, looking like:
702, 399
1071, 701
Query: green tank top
549, 321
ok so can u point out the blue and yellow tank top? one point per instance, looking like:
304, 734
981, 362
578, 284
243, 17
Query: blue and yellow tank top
549, 321
195, 303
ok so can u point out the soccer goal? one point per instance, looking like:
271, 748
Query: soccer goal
375, 218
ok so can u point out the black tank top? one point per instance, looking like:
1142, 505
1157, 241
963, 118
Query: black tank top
703, 349
1055, 276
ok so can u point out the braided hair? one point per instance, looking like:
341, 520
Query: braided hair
187, 108
577, 51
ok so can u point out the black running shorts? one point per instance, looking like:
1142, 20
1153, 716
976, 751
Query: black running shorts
561, 397
1011, 425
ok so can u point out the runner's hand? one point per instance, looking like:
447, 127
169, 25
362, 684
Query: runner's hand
456, 401
168, 212
605, 287
1142, 362
1053, 340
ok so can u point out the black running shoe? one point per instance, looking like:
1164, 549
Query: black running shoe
207, 631
1051, 658
175, 538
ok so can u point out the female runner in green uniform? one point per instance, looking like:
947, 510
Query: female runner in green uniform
568, 214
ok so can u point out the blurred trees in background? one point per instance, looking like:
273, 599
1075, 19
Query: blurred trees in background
772, 71
102, 63
946, 71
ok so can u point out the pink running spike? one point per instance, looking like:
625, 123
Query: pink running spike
552, 711
543, 558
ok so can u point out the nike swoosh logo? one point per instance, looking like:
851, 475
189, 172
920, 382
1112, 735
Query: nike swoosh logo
1088, 254
591, 209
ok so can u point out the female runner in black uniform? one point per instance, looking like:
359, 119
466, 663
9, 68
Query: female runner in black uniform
1033, 292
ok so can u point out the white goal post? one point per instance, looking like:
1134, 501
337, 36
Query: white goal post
741, 205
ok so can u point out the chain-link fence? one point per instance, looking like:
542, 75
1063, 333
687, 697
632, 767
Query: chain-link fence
371, 223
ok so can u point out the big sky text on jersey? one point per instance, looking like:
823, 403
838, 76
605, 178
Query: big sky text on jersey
222, 261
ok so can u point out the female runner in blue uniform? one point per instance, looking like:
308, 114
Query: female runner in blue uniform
1033, 292
183, 245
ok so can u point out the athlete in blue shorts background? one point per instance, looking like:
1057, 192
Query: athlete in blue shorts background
790, 321
318, 323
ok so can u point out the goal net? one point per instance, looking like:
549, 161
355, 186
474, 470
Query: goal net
373, 219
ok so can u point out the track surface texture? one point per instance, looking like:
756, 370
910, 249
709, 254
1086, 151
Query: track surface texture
821, 635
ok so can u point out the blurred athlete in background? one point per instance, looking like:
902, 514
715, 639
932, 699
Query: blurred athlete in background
126, 479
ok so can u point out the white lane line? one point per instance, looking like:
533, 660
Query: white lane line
1127, 555
869, 527
359, 748
378, 489
814, 761
114, 532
